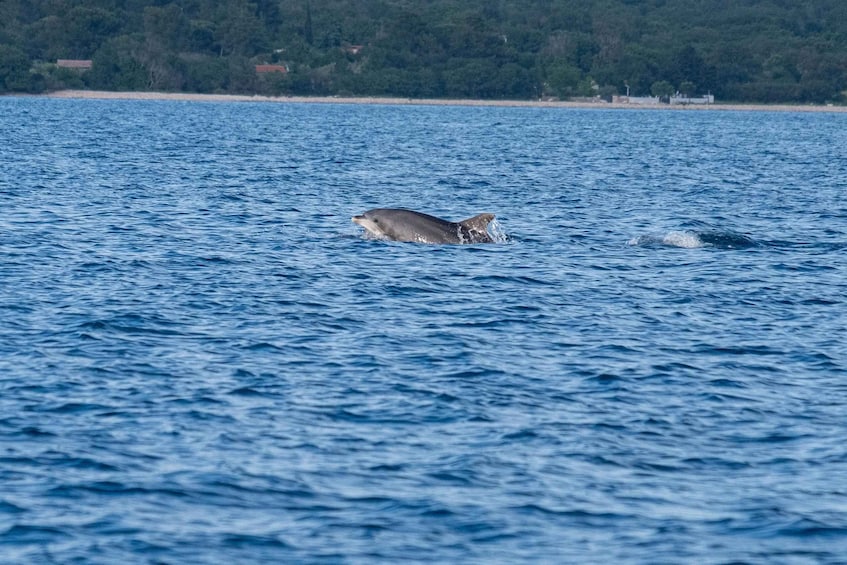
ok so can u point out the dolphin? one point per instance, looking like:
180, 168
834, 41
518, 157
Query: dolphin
398, 224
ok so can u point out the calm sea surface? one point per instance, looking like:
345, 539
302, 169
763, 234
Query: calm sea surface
202, 360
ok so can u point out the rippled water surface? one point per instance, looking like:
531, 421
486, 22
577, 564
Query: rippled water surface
202, 360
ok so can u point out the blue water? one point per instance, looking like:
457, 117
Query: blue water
203, 360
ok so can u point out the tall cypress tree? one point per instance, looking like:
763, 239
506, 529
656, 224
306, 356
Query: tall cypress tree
307, 28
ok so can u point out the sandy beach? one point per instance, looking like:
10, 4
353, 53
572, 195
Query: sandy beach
105, 95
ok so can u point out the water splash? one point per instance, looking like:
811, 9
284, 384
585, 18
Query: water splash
695, 238
496, 231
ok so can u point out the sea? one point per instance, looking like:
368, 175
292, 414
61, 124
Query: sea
204, 361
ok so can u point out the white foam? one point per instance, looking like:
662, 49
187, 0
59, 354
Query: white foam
686, 239
495, 230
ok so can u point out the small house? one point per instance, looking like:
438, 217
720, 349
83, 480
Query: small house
78, 64
261, 69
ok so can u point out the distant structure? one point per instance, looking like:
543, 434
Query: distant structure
641, 100
680, 99
588, 99
261, 69
676, 99
78, 64
352, 49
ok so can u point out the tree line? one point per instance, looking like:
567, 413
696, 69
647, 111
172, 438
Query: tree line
738, 50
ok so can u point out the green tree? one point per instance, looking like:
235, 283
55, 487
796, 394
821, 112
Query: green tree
562, 79
687, 88
202, 37
166, 27
242, 75
688, 66
308, 33
116, 66
662, 89
206, 74
238, 31
587, 87
470, 78
86, 29
14, 70
757, 50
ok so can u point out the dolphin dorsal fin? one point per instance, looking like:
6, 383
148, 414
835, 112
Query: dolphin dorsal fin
478, 223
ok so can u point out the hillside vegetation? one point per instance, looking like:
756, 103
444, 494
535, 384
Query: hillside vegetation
738, 50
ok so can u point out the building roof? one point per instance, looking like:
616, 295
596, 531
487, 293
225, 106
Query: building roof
74, 63
271, 69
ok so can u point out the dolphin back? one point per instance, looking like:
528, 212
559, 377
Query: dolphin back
400, 224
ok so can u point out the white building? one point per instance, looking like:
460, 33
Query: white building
680, 99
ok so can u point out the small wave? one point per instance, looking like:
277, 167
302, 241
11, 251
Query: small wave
9, 508
247, 540
694, 239
132, 323
32, 533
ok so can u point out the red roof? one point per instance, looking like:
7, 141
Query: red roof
271, 69
74, 63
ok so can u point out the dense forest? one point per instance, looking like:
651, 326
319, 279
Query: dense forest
738, 50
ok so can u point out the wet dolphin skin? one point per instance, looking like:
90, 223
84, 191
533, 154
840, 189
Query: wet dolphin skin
398, 224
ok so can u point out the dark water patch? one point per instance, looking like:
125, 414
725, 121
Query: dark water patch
709, 463
728, 383
8, 508
61, 460
132, 324
33, 431
248, 391
605, 378
252, 541
25, 534
112, 488
73, 408
812, 528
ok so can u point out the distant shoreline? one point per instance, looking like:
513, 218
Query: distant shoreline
183, 96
